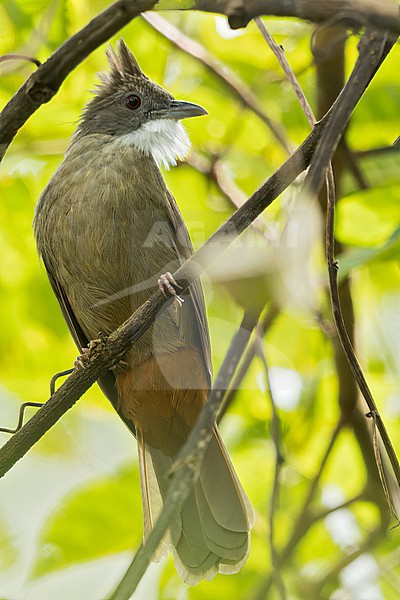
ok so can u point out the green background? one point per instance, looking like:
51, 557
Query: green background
70, 511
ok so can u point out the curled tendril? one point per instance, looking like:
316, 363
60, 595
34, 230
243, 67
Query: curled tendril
31, 59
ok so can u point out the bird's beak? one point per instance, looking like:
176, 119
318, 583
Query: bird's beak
179, 109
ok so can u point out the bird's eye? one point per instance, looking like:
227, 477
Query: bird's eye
133, 102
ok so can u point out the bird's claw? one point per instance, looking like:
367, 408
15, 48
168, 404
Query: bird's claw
121, 366
79, 363
167, 285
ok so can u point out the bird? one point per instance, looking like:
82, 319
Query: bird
109, 232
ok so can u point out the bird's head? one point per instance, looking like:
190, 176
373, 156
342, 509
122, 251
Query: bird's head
133, 110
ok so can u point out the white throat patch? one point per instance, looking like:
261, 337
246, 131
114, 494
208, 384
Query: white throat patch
164, 139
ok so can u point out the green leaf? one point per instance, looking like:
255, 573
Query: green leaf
358, 257
369, 217
99, 519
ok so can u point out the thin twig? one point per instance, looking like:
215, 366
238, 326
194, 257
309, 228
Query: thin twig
287, 69
213, 169
57, 376
188, 462
22, 408
322, 514
116, 345
354, 167
279, 53
235, 85
279, 459
346, 342
394, 148
217, 173
371, 43
32, 59
300, 522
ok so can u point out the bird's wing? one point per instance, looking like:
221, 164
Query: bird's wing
79, 337
106, 381
184, 250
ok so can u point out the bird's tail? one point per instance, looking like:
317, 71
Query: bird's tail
212, 532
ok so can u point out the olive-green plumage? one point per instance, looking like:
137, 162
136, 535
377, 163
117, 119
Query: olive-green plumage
107, 227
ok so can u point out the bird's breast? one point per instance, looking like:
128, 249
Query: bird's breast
106, 231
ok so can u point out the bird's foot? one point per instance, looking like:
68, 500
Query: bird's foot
83, 358
120, 367
167, 285
79, 363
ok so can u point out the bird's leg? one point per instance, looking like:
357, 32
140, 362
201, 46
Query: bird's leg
167, 285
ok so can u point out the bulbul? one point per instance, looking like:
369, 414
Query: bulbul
107, 228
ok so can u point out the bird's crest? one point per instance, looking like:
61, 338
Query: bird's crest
123, 65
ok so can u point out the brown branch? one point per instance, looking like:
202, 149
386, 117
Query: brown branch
44, 83
373, 49
371, 44
105, 354
113, 349
328, 90
348, 347
235, 85
329, 86
380, 14
329, 54
287, 69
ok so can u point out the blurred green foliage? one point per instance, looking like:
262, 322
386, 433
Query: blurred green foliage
76, 498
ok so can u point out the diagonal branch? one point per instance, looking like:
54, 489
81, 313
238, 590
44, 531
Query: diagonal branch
109, 351
373, 47
44, 83
187, 466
